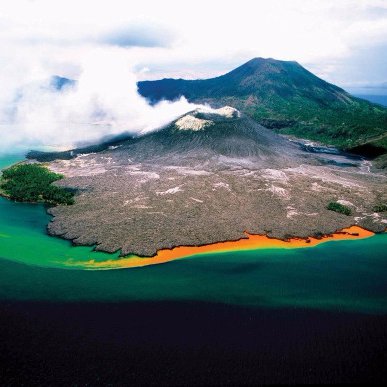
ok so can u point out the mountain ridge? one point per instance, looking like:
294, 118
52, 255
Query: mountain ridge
241, 77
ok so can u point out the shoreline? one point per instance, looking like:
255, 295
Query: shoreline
163, 255
251, 242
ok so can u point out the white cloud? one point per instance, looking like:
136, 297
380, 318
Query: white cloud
103, 102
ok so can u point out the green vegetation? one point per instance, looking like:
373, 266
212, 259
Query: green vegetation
346, 125
380, 208
33, 183
337, 207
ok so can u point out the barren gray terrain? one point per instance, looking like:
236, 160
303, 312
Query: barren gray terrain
182, 186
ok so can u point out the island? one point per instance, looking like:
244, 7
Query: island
216, 174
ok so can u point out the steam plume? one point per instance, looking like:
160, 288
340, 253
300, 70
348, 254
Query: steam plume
103, 102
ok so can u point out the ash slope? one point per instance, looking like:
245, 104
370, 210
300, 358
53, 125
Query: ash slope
190, 187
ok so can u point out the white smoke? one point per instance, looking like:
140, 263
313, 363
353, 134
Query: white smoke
103, 102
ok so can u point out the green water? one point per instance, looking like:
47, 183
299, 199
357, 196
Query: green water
6, 161
337, 275
23, 235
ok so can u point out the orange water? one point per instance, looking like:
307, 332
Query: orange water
250, 242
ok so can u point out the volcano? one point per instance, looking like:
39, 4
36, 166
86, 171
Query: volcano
210, 176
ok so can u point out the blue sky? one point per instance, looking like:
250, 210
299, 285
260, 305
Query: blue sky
108, 45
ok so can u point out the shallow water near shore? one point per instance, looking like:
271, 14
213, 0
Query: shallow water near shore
348, 275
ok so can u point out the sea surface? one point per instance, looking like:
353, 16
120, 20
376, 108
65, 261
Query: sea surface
339, 275
269, 315
380, 99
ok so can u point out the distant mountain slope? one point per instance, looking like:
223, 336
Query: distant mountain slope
286, 97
